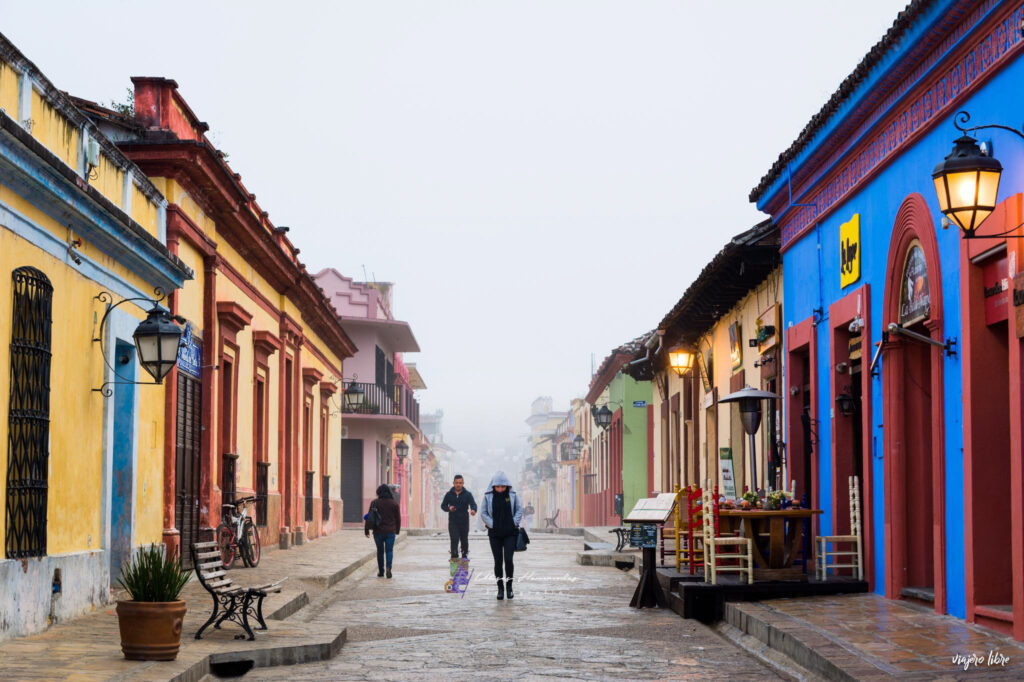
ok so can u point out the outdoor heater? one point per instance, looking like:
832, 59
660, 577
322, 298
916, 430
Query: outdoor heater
749, 400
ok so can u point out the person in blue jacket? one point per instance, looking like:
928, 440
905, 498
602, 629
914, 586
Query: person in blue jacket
502, 513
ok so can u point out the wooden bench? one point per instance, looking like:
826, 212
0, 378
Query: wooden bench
230, 602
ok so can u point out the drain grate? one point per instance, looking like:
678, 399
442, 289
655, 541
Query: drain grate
229, 669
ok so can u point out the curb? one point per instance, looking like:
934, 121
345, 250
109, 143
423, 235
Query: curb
263, 658
805, 647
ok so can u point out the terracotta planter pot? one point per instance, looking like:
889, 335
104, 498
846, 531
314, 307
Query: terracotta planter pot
150, 631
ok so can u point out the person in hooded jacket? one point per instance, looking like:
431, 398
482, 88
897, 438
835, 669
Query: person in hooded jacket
502, 513
385, 533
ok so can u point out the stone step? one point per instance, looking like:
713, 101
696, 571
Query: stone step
589, 545
604, 557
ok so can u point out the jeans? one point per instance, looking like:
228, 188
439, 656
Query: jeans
459, 532
503, 546
385, 545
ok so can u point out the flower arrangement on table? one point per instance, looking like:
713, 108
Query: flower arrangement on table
750, 500
779, 499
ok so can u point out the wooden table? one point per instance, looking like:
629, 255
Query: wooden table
776, 537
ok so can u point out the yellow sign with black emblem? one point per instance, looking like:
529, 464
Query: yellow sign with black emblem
849, 251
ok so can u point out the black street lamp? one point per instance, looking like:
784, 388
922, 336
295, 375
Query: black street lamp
401, 450
603, 416
967, 181
845, 404
749, 400
354, 396
157, 339
577, 445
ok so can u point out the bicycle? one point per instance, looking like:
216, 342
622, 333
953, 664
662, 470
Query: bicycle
238, 536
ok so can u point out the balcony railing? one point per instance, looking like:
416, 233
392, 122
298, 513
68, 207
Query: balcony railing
399, 402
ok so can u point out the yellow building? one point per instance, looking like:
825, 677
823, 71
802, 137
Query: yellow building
255, 407
81, 230
729, 320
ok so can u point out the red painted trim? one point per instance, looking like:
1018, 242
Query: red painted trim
798, 338
841, 313
328, 388
233, 318
886, 137
257, 296
208, 514
179, 225
913, 221
310, 377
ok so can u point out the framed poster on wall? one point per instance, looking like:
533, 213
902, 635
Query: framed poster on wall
726, 473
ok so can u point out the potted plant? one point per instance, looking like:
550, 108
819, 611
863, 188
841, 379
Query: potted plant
151, 620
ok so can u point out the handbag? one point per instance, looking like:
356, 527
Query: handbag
522, 541
375, 519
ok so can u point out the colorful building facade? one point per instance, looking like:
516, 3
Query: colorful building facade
254, 409
389, 412
904, 357
83, 258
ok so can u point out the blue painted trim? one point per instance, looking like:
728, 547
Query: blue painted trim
48, 242
52, 193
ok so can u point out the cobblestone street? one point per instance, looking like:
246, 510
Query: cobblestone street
566, 622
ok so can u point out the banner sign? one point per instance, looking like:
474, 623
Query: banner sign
726, 472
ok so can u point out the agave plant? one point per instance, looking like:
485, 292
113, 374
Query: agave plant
153, 576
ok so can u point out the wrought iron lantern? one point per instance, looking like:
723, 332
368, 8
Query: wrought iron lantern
401, 451
845, 404
967, 181
603, 416
157, 339
577, 445
680, 359
354, 396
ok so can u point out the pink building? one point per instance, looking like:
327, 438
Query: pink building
388, 412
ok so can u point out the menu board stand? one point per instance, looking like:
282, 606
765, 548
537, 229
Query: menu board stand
648, 591
646, 516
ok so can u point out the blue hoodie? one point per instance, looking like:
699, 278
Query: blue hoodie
486, 512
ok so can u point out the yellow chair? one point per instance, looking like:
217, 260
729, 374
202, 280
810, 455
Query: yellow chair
712, 541
854, 556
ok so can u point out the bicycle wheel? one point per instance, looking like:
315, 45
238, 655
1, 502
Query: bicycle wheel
251, 540
226, 544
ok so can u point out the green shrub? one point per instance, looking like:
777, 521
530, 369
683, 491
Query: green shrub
151, 576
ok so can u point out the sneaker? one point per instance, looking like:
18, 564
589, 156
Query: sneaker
389, 572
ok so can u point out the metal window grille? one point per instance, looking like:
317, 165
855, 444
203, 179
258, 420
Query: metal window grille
325, 493
227, 472
29, 414
309, 495
262, 477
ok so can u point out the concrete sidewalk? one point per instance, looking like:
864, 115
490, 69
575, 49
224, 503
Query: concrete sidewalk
868, 637
89, 648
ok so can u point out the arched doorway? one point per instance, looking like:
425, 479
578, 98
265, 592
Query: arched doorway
912, 398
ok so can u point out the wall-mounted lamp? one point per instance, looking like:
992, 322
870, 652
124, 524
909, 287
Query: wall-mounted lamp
845, 404
156, 339
602, 417
841, 367
401, 451
577, 445
967, 181
680, 359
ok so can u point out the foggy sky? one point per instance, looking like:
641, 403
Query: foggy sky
541, 180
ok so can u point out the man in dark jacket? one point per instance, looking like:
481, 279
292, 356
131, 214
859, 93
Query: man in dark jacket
459, 504
389, 526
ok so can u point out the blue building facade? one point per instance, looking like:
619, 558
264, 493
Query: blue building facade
903, 363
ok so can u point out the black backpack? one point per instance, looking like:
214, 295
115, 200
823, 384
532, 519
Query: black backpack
374, 519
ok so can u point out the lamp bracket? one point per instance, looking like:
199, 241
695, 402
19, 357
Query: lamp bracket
961, 119
107, 391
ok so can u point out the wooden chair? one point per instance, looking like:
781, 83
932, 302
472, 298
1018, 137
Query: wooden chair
692, 531
855, 556
230, 602
712, 542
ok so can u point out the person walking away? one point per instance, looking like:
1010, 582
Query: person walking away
460, 505
385, 520
502, 514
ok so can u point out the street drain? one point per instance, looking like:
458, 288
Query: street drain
228, 669
624, 565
